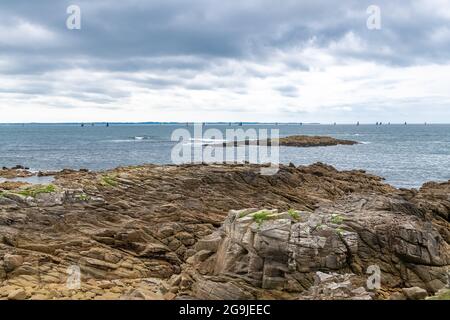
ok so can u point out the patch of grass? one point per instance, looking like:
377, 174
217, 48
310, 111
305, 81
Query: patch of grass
109, 181
337, 219
294, 214
36, 190
441, 296
261, 216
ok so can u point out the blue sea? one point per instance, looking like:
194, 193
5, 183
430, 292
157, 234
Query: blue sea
405, 155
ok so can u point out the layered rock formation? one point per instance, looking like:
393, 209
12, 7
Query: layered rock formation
285, 251
138, 232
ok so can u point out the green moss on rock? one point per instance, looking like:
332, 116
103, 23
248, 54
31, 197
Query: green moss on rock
36, 190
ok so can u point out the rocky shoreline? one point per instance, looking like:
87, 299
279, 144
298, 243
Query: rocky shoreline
183, 232
15, 172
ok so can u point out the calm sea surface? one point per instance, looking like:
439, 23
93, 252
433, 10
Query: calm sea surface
407, 156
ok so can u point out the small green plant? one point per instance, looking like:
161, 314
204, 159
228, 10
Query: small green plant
109, 181
294, 214
340, 231
337, 219
83, 197
36, 190
320, 227
261, 216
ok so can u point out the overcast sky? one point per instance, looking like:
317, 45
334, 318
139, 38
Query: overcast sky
245, 60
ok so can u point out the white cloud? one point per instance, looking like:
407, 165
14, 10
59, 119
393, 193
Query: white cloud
330, 88
26, 34
349, 43
441, 35
440, 8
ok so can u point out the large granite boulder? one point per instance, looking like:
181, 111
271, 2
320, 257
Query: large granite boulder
284, 251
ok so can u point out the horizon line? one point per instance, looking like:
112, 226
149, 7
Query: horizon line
222, 122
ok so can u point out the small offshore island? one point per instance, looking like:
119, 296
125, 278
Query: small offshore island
216, 231
300, 141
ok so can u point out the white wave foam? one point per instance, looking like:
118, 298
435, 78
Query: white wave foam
207, 140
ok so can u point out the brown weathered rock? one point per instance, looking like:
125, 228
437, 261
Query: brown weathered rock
11, 262
415, 293
18, 294
15, 172
397, 296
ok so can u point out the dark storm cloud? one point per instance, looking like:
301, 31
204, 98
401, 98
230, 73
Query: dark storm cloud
114, 30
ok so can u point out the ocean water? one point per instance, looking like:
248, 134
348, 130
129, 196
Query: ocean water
406, 156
